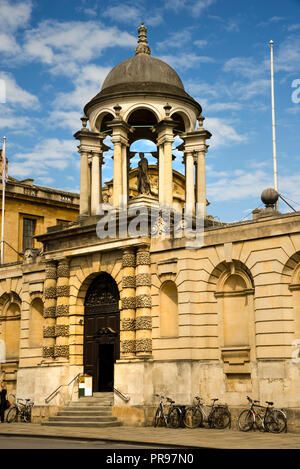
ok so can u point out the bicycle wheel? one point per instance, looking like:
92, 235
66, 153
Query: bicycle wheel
246, 420
193, 417
275, 421
259, 423
157, 418
221, 418
174, 417
11, 415
26, 416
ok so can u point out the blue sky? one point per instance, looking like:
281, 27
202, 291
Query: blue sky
55, 55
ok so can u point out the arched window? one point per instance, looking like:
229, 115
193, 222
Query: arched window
12, 331
36, 323
168, 310
235, 311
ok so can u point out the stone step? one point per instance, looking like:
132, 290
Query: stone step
106, 418
90, 408
83, 412
67, 423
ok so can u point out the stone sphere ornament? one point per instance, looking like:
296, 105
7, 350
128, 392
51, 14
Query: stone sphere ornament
269, 197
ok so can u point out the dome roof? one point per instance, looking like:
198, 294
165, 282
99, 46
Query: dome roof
142, 74
140, 69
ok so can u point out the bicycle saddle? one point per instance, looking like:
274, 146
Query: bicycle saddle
215, 399
270, 403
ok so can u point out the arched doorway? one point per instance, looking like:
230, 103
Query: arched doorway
102, 331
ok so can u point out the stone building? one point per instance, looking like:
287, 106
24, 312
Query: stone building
156, 313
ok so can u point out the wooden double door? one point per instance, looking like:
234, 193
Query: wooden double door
102, 332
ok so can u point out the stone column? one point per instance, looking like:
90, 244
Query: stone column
96, 182
189, 183
62, 310
84, 184
124, 175
49, 310
161, 177
201, 184
168, 173
127, 314
118, 180
143, 304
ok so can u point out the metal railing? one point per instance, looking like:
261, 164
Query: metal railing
57, 390
126, 399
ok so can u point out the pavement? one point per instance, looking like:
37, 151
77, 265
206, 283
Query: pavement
181, 438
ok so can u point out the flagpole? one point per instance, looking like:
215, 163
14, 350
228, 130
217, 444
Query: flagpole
273, 124
3, 198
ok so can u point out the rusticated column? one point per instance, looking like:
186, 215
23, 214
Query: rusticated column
127, 331
143, 319
61, 350
49, 310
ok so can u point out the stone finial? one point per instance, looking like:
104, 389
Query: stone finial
167, 109
117, 109
84, 120
200, 121
142, 47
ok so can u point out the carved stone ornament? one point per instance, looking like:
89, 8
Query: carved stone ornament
128, 260
143, 280
48, 352
51, 272
128, 281
128, 324
61, 351
62, 310
62, 330
128, 302
143, 301
143, 258
143, 345
49, 312
50, 293
127, 346
144, 323
63, 291
63, 269
49, 331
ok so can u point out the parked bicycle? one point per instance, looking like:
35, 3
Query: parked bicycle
265, 418
169, 418
218, 417
21, 408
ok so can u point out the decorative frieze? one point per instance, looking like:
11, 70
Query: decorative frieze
128, 324
143, 280
143, 323
128, 281
143, 301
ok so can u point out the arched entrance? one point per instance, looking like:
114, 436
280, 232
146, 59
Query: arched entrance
102, 331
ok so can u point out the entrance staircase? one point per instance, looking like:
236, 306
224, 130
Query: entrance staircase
95, 411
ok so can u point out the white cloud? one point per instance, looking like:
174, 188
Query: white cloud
14, 15
48, 155
17, 96
185, 61
61, 45
223, 133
